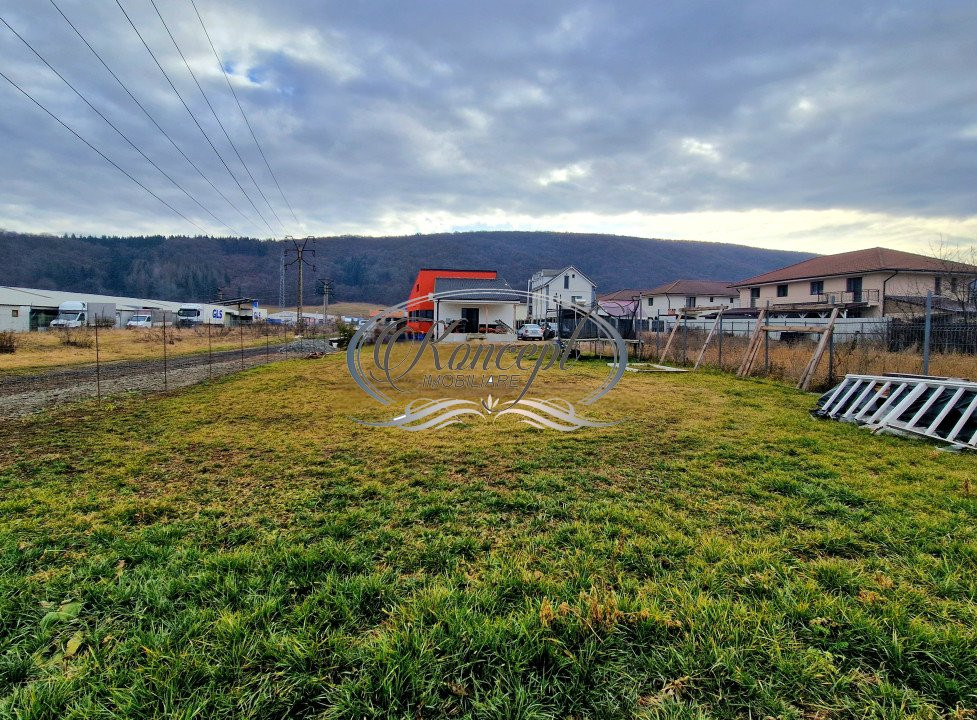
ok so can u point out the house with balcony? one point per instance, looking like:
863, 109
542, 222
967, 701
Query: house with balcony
677, 295
549, 289
868, 283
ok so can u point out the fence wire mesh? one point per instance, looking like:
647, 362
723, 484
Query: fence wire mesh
97, 362
858, 345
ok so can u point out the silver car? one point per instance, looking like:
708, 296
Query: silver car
530, 331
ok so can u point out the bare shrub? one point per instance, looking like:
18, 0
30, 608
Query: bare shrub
76, 337
8, 342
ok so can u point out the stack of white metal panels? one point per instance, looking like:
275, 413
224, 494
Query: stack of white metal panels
944, 409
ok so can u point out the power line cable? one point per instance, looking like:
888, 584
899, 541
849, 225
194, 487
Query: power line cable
214, 113
115, 127
193, 117
243, 114
148, 114
104, 156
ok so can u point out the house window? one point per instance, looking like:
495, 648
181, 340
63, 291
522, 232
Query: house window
938, 285
754, 296
651, 301
817, 287
566, 282
15, 313
712, 300
953, 286
690, 301
781, 291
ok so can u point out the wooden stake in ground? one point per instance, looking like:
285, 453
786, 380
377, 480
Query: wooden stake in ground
712, 332
808, 375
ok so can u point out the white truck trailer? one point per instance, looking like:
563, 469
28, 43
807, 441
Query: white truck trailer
197, 314
80, 313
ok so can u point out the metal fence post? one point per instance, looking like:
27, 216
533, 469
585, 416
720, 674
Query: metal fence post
98, 368
241, 334
766, 342
210, 354
685, 338
831, 359
720, 362
927, 329
166, 385
766, 351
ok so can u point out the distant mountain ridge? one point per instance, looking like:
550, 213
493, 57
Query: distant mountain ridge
376, 269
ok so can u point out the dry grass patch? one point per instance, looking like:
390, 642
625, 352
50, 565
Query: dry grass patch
39, 350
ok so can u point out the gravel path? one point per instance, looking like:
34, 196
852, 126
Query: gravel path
25, 394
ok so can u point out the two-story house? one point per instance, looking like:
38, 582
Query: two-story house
671, 297
864, 283
549, 288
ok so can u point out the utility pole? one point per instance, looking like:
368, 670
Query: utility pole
324, 288
281, 285
300, 248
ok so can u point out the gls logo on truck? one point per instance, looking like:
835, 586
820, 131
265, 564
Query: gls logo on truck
217, 314
388, 355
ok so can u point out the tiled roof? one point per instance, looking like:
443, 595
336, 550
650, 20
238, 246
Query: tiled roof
477, 289
623, 295
859, 261
695, 287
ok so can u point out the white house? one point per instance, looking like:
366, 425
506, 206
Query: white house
671, 297
548, 288
484, 305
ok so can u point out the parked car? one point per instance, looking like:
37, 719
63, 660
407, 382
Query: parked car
530, 331
550, 330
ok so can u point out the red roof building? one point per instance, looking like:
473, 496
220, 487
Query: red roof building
420, 309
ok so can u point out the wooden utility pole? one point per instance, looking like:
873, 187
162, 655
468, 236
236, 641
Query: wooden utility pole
300, 248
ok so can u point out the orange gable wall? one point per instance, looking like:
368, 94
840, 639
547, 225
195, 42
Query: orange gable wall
424, 286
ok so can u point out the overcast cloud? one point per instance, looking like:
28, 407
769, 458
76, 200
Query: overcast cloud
812, 126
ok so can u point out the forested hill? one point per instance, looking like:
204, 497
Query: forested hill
378, 269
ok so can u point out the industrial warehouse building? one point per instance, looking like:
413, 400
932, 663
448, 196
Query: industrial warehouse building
24, 309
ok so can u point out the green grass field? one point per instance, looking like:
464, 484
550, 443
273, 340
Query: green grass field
241, 549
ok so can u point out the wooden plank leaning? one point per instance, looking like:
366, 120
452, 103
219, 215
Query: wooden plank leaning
671, 336
751, 350
808, 375
712, 332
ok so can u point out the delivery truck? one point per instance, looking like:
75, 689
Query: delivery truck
80, 313
147, 318
197, 314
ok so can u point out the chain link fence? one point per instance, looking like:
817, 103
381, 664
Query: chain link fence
105, 362
857, 345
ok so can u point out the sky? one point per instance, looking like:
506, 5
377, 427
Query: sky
821, 127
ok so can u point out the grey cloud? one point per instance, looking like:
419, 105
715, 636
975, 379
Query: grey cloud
366, 109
